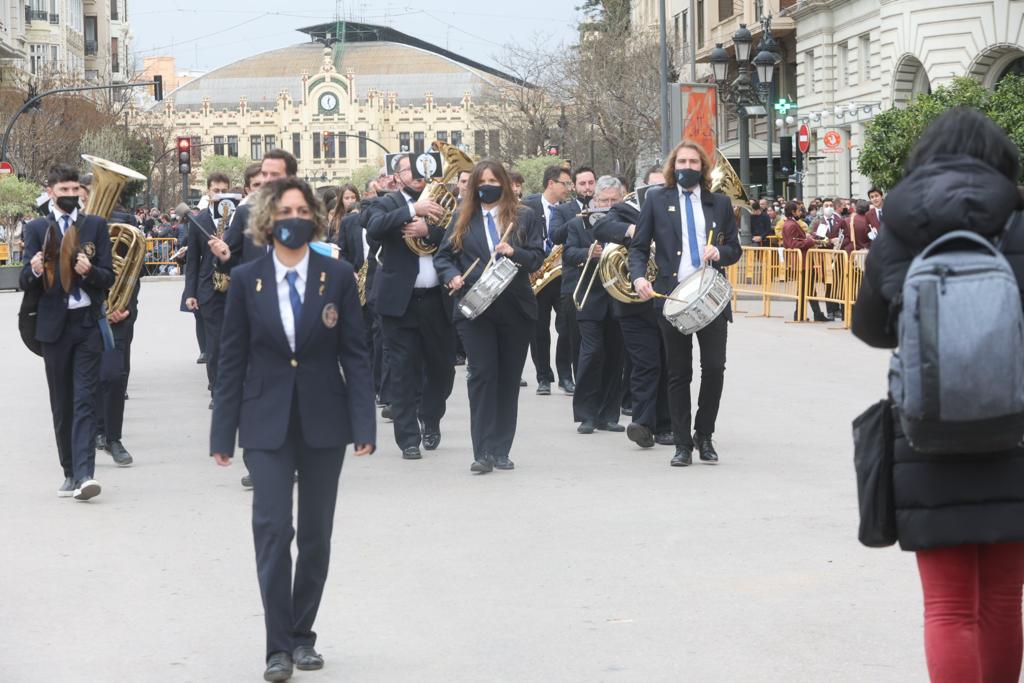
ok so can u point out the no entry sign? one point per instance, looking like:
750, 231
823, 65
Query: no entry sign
6, 168
803, 138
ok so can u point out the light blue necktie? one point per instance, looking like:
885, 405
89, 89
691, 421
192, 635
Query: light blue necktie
548, 244
492, 230
691, 229
293, 294
76, 293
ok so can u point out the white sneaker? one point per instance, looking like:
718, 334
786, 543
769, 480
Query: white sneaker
89, 488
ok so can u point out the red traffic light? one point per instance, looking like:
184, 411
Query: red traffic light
184, 144
553, 151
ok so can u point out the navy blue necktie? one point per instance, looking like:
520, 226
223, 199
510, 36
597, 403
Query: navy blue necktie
293, 294
492, 230
691, 229
76, 293
548, 244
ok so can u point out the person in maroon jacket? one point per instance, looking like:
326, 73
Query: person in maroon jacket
860, 227
875, 212
794, 237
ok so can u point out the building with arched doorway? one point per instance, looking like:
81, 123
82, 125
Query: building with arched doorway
856, 58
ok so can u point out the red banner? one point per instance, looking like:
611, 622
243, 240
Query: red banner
700, 114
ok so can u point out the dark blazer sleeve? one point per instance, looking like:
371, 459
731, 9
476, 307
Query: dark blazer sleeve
577, 244
640, 245
613, 227
387, 219
528, 248
231, 370
355, 363
33, 238
192, 261
728, 244
446, 261
558, 226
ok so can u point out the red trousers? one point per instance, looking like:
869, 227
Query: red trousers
972, 612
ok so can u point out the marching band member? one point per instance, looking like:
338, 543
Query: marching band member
251, 182
497, 340
297, 389
200, 292
69, 263
556, 190
583, 180
598, 396
642, 338
679, 216
415, 313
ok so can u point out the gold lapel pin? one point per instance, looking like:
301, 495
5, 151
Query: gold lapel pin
323, 276
671, 208
322, 287
259, 284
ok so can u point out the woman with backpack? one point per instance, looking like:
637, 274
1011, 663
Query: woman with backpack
962, 512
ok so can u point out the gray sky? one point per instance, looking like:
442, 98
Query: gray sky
204, 34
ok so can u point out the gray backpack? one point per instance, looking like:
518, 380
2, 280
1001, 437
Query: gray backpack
957, 379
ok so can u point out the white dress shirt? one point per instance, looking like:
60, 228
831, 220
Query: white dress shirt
284, 300
427, 275
686, 268
83, 298
546, 205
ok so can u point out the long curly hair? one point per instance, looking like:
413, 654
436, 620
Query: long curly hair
264, 209
508, 205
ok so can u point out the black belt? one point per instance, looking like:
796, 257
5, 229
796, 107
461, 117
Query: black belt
421, 292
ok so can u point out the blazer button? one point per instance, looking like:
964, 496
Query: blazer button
675, 274
679, 253
295, 363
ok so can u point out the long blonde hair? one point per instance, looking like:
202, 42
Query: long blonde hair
508, 205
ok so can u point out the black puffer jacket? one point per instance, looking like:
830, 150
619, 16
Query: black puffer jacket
951, 499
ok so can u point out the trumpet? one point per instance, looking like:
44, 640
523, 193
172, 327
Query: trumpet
593, 276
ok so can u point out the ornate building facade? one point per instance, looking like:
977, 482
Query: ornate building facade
336, 102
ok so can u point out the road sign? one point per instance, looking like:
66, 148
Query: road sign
833, 142
804, 138
6, 168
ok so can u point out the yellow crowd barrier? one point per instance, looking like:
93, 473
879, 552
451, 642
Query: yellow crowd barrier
159, 250
768, 273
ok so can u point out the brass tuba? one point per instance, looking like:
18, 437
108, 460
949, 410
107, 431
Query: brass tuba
127, 243
455, 161
725, 180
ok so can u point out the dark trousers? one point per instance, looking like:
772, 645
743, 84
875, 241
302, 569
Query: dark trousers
627, 387
370, 322
200, 331
648, 379
549, 299
598, 396
72, 374
212, 313
380, 350
420, 353
289, 609
496, 344
679, 355
573, 330
110, 407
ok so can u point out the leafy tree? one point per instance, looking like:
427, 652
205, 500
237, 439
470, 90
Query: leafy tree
532, 169
17, 199
232, 167
363, 175
892, 134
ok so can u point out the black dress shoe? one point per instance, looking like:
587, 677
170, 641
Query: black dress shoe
101, 442
279, 667
610, 427
202, 359
627, 410
706, 449
819, 318
385, 412
543, 388
211, 404
247, 481
411, 453
586, 427
482, 465
307, 659
504, 464
567, 386
122, 458
522, 382
683, 456
665, 439
431, 438
460, 360
640, 435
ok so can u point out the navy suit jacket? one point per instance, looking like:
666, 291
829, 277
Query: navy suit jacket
200, 261
528, 252
350, 241
395, 279
558, 226
665, 227
575, 266
612, 228
242, 248
53, 304
328, 373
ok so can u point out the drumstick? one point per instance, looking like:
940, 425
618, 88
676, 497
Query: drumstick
504, 235
465, 275
670, 298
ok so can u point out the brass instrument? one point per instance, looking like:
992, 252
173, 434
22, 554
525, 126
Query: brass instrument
226, 209
128, 243
590, 254
361, 281
549, 270
837, 245
725, 180
613, 268
455, 162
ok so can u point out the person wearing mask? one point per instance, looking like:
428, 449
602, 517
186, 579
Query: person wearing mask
961, 514
680, 217
557, 182
297, 391
491, 223
760, 224
415, 312
69, 264
832, 226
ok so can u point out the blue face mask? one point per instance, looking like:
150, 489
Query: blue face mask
293, 232
688, 178
489, 194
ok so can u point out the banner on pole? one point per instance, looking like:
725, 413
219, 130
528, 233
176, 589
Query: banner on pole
693, 114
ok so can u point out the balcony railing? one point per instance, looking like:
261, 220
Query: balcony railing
38, 15
28, 13
90, 48
54, 18
115, 66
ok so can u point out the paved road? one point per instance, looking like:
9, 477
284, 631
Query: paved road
592, 561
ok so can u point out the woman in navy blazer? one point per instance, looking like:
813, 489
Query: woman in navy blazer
295, 383
496, 342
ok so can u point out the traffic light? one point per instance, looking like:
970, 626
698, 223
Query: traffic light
786, 153
553, 150
158, 88
184, 155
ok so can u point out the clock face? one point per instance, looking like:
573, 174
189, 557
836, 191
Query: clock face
328, 101
426, 165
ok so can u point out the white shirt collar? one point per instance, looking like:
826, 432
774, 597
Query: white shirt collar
302, 267
58, 214
696, 191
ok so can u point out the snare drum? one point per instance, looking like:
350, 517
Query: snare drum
698, 300
491, 284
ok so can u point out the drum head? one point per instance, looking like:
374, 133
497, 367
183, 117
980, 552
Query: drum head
687, 291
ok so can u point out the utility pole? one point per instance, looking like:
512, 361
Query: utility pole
663, 78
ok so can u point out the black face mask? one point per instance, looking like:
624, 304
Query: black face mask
67, 204
688, 178
293, 232
413, 194
584, 199
381, 193
845, 212
489, 194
